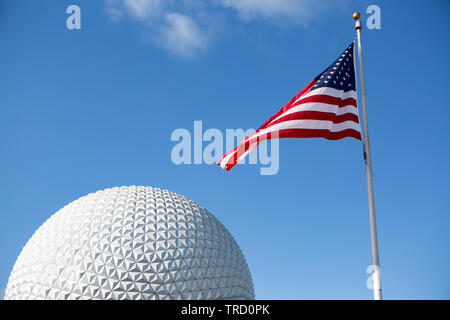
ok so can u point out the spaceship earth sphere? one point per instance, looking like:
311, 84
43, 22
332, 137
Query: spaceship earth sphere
131, 243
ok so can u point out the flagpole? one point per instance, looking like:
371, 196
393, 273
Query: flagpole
376, 277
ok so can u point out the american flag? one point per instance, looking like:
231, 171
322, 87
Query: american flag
325, 108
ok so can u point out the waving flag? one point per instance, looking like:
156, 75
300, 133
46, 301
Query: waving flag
325, 108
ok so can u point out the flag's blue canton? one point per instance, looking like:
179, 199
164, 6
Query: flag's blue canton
341, 74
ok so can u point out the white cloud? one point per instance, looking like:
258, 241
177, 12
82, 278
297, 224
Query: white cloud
297, 11
181, 35
179, 26
143, 9
114, 13
186, 27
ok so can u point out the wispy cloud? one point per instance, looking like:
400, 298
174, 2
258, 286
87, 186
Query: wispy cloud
251, 9
143, 9
179, 26
185, 28
280, 11
2, 293
181, 35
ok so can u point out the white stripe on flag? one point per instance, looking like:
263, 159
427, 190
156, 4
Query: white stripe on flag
321, 107
329, 92
309, 124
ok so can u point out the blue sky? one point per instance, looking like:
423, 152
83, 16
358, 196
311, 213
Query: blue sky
83, 110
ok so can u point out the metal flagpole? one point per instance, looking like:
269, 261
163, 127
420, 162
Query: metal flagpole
376, 277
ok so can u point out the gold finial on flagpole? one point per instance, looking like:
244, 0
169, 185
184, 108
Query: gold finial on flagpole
356, 15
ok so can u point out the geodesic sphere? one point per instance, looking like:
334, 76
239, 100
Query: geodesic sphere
131, 243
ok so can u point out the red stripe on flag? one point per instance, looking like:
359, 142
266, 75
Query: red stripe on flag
289, 105
317, 115
328, 100
287, 133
